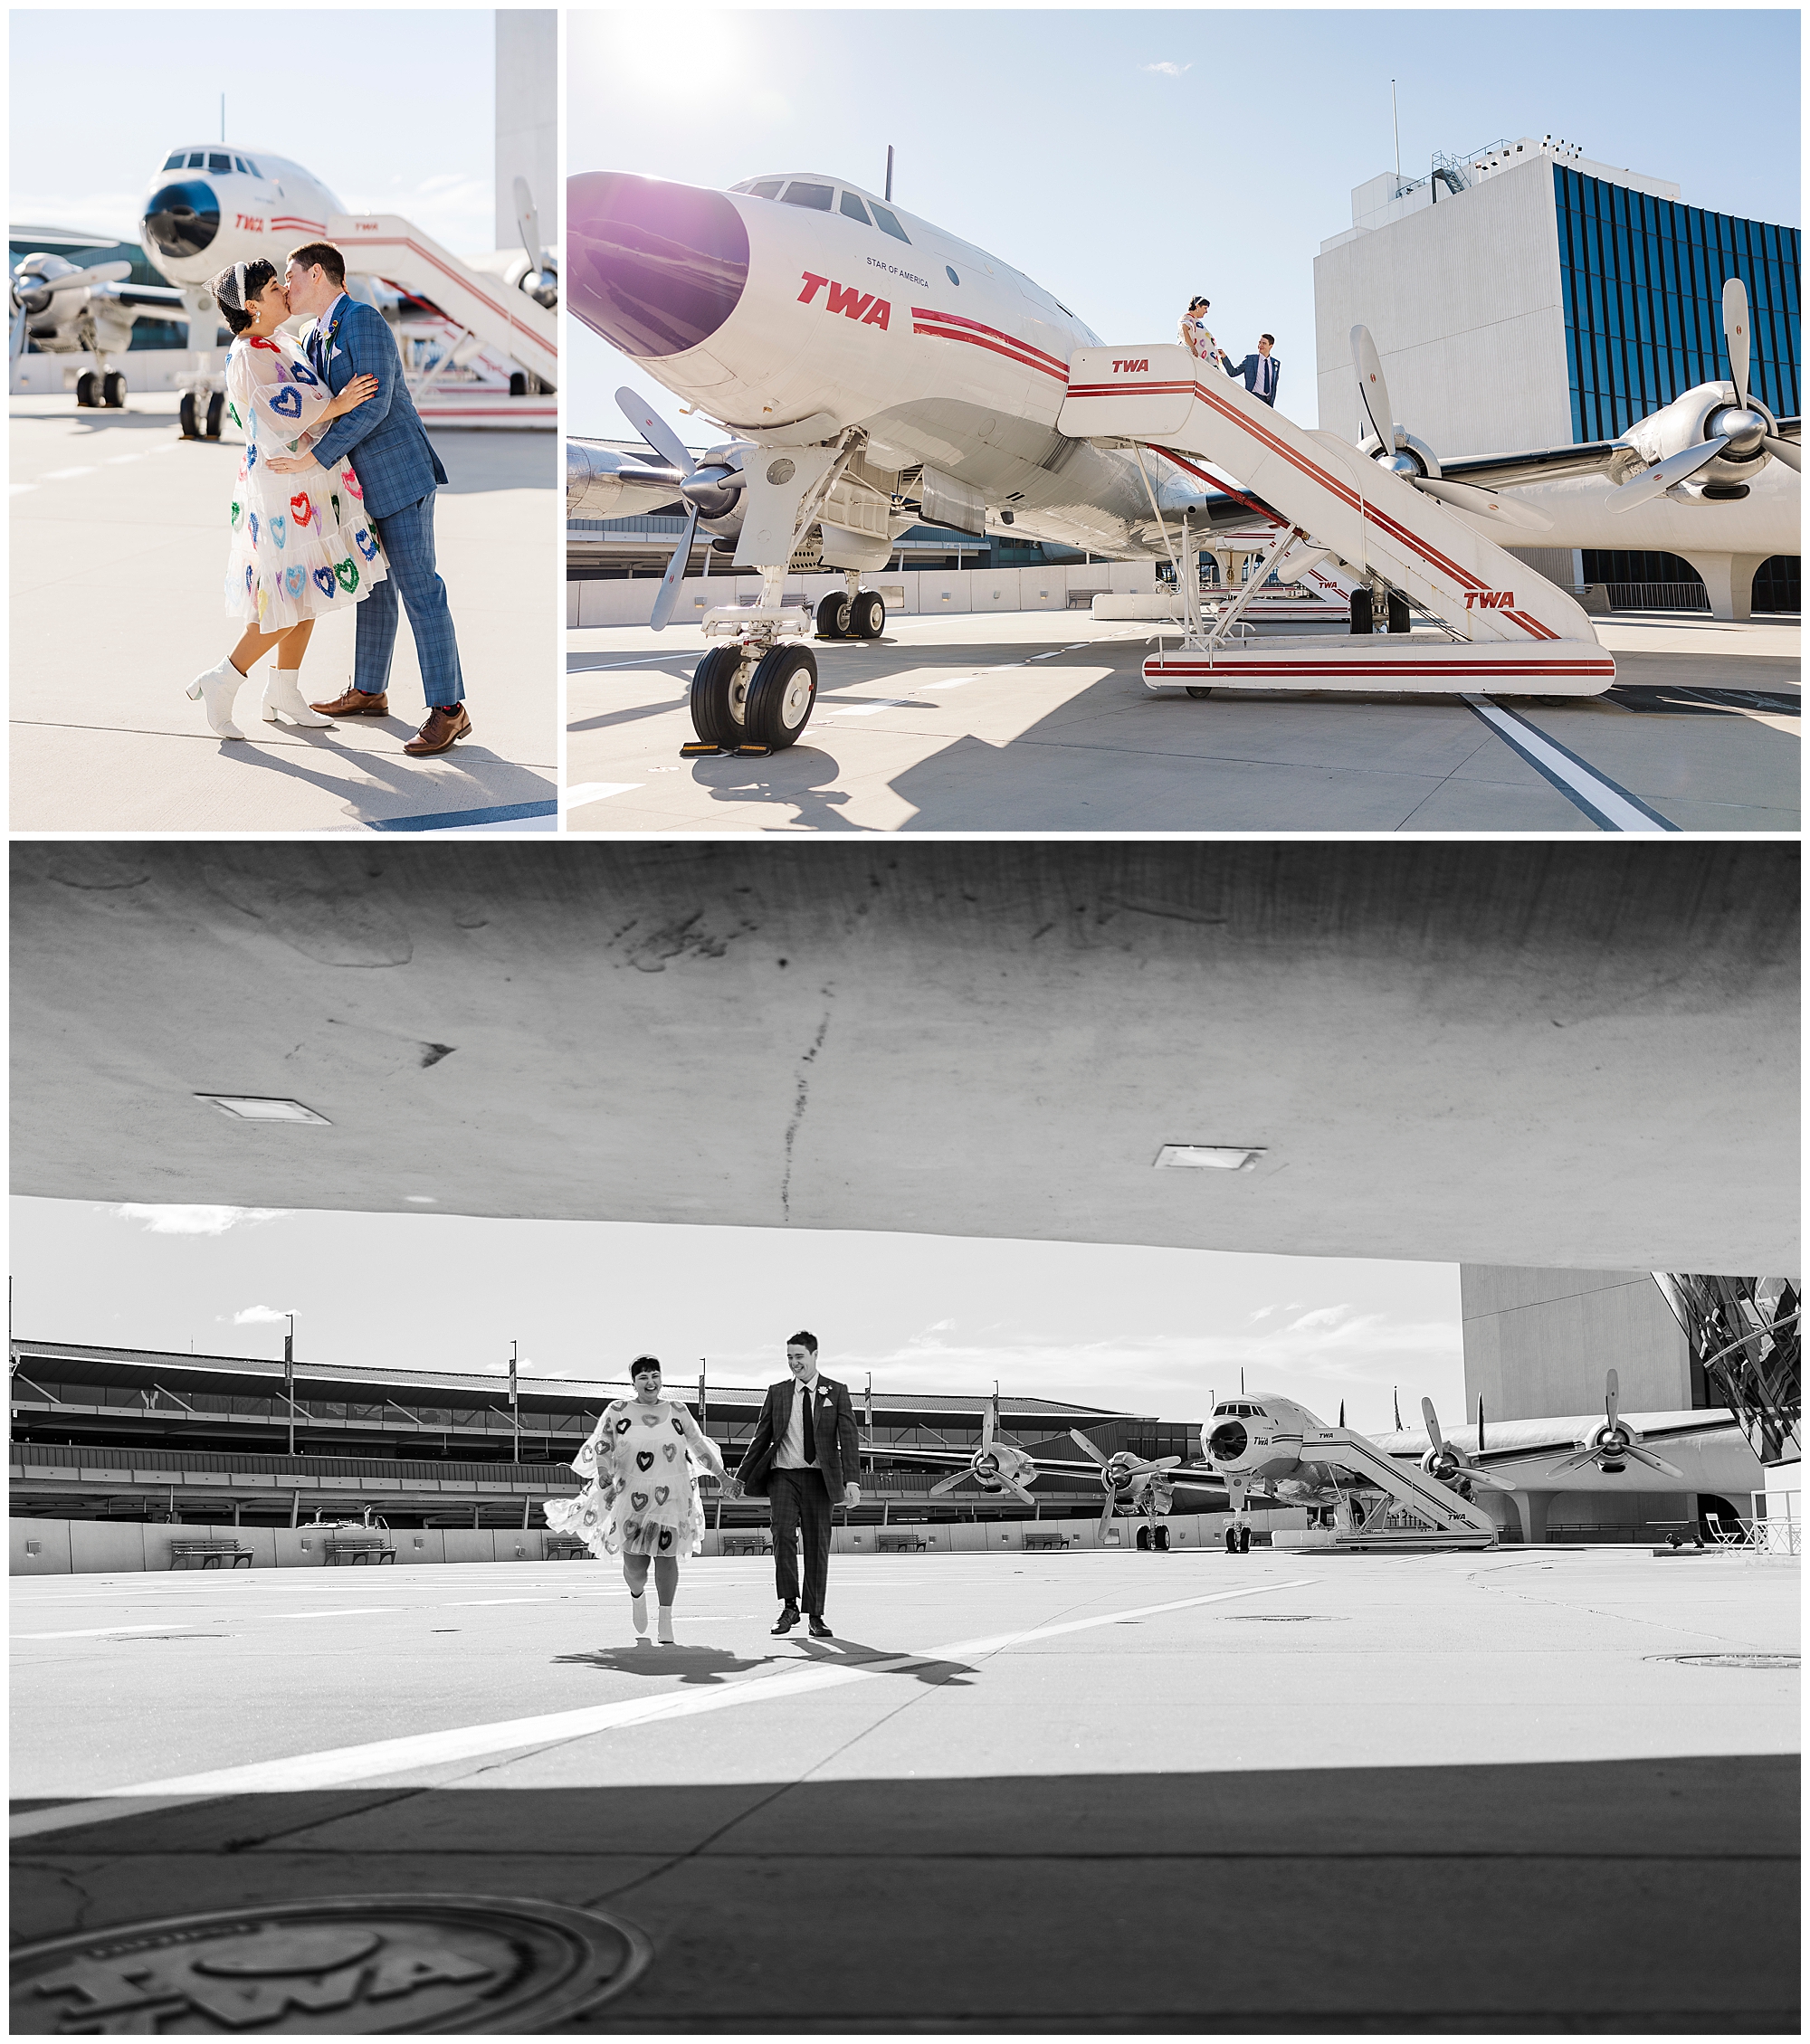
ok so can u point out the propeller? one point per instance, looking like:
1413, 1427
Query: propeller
1082, 1442
1737, 324
542, 281
1616, 1443
1449, 1463
1373, 398
707, 492
1676, 468
950, 1483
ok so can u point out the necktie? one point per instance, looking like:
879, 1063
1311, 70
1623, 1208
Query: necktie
1269, 371
810, 1432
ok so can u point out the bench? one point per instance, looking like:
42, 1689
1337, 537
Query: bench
566, 1547
355, 1551
748, 1544
1046, 1540
903, 1544
210, 1554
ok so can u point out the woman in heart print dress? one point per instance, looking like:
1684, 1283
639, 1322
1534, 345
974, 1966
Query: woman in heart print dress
640, 1498
296, 554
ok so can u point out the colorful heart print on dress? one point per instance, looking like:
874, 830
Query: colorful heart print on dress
661, 1492
347, 572
286, 403
269, 344
668, 1450
638, 1498
295, 580
254, 528
645, 1460
365, 545
665, 1538
351, 482
250, 457
303, 376
300, 507
324, 582
238, 513
250, 578
278, 527
624, 1425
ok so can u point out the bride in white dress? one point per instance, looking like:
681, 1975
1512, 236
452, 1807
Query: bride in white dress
296, 554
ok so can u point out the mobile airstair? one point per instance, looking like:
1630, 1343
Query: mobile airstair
1420, 1512
1507, 630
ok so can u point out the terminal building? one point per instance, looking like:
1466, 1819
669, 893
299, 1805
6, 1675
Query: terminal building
1522, 296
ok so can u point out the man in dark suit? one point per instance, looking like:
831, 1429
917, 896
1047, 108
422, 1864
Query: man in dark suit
804, 1458
1261, 371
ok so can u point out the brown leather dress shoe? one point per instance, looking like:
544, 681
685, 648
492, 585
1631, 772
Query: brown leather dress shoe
445, 722
354, 702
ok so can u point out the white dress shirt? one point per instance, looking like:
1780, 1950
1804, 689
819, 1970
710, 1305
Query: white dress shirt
790, 1454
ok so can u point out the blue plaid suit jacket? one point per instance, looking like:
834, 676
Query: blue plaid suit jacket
390, 450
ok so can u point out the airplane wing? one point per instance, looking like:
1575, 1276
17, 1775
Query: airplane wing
1610, 458
143, 295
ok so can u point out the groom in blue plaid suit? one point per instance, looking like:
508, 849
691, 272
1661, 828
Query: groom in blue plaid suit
398, 473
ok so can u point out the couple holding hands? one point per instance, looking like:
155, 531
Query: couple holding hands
640, 1470
312, 534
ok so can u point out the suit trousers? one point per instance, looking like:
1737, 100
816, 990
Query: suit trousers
800, 1497
408, 550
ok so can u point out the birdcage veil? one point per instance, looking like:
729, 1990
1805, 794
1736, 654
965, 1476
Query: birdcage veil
229, 287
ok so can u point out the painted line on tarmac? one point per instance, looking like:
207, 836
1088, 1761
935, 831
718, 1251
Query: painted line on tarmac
101, 1632
598, 790
347, 1611
1607, 804
470, 819
341, 1767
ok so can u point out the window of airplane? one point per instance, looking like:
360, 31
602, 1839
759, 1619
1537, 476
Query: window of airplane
197, 159
1065, 308
242, 166
767, 188
219, 160
887, 224
855, 209
176, 161
950, 274
818, 198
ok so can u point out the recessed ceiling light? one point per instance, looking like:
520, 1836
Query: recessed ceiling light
1207, 1156
242, 1107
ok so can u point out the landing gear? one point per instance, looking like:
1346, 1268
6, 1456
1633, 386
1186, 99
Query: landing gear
88, 391
717, 679
745, 699
1238, 1540
191, 429
113, 390
869, 618
856, 614
216, 410
836, 615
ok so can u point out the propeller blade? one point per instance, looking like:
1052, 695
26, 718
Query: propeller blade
100, 273
1168, 1462
655, 432
527, 225
1082, 1442
1018, 1491
1106, 1516
1373, 393
1651, 1461
1655, 482
1341, 1411
1736, 328
18, 331
1612, 1397
1484, 503
948, 1484
1432, 1419
675, 573
986, 1419
1490, 1477
1480, 1424
1397, 1396
1572, 1462
1785, 451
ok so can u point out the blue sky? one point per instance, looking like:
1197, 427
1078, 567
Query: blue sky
1137, 1329
1126, 159
393, 110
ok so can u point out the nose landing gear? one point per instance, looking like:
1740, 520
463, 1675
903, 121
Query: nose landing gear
852, 613
753, 695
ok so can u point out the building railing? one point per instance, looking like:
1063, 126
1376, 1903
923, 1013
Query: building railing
1649, 595
30, 1458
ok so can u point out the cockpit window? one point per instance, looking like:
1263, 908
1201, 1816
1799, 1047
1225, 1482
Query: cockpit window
887, 224
242, 166
178, 161
219, 160
765, 188
818, 198
855, 209
253, 168
197, 159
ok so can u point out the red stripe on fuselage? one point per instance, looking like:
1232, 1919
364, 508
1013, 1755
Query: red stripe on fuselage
974, 326
1012, 351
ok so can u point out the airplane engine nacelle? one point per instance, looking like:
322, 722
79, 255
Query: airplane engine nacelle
1701, 414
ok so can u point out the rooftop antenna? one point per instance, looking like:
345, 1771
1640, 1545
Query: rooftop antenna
515, 1403
223, 116
1394, 116
888, 174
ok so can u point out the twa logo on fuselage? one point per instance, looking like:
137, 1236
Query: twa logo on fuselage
1489, 599
1130, 368
851, 303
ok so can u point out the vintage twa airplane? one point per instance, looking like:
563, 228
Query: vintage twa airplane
873, 369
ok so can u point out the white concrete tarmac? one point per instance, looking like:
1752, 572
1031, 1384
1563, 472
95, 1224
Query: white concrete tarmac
1013, 1792
118, 551
1040, 721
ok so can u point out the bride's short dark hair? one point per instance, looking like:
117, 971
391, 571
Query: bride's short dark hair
257, 275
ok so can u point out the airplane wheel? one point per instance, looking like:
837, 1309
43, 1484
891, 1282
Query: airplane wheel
709, 701
191, 430
1231, 1540
113, 389
1243, 1539
1200, 695
87, 390
216, 410
835, 614
781, 697
869, 618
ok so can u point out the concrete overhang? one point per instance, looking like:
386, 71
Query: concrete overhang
1554, 1055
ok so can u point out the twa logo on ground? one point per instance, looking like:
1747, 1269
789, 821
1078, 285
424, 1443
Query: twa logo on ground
1489, 599
863, 306
1130, 368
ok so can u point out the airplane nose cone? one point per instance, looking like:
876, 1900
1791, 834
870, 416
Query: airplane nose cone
182, 220
654, 268
1228, 1442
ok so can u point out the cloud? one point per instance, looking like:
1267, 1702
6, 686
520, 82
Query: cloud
256, 1315
1321, 1317
197, 1220
1168, 70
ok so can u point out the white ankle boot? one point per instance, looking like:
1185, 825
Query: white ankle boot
666, 1639
282, 697
637, 1608
214, 691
